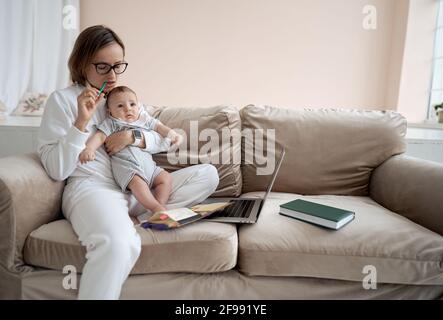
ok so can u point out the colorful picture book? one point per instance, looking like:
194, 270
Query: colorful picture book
175, 218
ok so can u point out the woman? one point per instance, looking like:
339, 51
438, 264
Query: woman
92, 201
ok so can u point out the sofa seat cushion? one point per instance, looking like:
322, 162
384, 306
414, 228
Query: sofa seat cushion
201, 247
401, 251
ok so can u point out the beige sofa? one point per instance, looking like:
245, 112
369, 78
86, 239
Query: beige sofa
346, 158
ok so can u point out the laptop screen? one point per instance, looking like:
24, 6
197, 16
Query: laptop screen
274, 175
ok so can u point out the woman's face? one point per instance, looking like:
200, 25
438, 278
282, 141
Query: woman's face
111, 55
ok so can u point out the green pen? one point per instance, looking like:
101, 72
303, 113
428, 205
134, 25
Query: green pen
102, 88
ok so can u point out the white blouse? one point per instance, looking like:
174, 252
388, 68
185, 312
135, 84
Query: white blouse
60, 142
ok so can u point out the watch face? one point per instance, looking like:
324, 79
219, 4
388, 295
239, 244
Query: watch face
137, 134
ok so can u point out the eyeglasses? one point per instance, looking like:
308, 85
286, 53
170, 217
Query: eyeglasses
104, 68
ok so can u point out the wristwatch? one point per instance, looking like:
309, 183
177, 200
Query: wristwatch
137, 137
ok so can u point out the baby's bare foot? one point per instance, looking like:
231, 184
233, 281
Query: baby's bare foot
158, 208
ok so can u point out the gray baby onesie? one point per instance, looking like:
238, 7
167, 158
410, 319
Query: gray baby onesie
131, 160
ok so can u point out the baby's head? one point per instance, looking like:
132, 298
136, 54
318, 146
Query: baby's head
122, 104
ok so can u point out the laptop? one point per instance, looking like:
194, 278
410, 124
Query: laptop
244, 210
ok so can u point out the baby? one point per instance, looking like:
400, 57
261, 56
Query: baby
133, 168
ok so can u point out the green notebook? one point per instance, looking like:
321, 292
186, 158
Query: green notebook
330, 217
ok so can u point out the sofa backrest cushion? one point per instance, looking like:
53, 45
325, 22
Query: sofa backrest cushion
202, 127
328, 151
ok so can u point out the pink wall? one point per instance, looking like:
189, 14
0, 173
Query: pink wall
290, 53
395, 62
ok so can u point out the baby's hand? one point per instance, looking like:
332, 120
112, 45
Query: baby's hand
86, 155
176, 139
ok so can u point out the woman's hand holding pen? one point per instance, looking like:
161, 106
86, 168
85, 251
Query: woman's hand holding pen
87, 102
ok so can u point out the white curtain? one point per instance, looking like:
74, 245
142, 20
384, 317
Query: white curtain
36, 38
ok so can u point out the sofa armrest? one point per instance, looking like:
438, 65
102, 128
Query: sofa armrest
29, 198
411, 187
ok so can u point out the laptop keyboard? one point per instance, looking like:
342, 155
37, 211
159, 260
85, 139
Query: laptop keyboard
239, 209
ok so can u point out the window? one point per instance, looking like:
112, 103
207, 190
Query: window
436, 92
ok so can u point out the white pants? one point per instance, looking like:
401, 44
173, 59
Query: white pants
98, 212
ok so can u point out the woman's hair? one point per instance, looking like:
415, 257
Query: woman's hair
88, 43
117, 90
